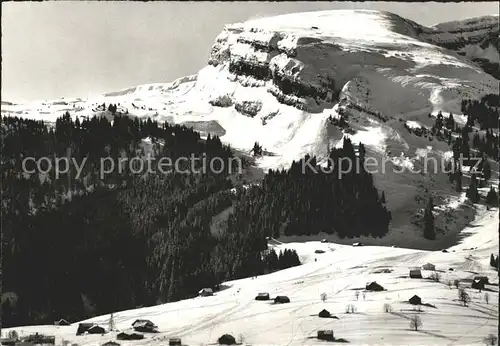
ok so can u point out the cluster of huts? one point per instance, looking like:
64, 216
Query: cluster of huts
478, 282
321, 334
139, 326
277, 299
143, 326
34, 339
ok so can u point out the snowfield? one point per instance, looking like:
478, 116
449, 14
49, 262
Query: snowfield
338, 272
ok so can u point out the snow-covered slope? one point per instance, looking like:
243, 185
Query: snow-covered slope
338, 272
474, 38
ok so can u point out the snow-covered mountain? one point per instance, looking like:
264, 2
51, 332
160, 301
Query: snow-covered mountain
475, 38
279, 80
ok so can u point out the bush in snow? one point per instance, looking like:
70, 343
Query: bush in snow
248, 108
491, 339
13, 335
323, 297
435, 277
463, 296
387, 308
222, 101
350, 309
415, 322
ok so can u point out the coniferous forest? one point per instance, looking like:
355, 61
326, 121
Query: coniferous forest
80, 245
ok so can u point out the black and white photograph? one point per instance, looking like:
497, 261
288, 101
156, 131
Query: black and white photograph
249, 173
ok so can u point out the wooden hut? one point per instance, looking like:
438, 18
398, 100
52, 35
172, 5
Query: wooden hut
227, 339
374, 286
281, 300
415, 300
324, 314
262, 296
325, 335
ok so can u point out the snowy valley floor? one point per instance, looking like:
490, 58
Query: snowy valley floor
338, 272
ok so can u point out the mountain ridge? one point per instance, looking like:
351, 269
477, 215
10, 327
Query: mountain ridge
281, 80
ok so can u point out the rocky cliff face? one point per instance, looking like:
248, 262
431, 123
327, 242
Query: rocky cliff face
306, 61
260, 55
458, 34
475, 38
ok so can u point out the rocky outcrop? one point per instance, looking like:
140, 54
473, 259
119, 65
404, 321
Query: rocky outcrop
262, 56
303, 66
248, 108
476, 38
457, 34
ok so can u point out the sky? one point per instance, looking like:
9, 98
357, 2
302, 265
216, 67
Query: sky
77, 49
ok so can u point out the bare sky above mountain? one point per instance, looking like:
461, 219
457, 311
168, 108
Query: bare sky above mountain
55, 49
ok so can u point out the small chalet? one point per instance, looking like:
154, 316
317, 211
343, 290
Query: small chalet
281, 300
483, 279
415, 300
227, 339
324, 314
95, 329
62, 322
174, 342
429, 266
129, 336
357, 244
111, 343
205, 292
374, 286
83, 327
415, 273
324, 240
262, 296
325, 335
478, 284
319, 251
145, 326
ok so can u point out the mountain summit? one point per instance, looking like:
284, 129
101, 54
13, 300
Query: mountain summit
277, 80
284, 81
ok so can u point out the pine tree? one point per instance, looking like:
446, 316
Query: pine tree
450, 122
257, 149
486, 169
429, 230
458, 186
492, 197
111, 322
472, 192
382, 198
